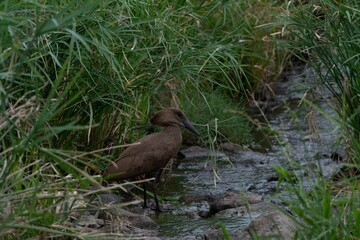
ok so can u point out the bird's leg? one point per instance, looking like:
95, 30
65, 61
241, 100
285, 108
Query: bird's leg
153, 188
144, 190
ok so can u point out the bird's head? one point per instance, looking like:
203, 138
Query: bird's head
172, 116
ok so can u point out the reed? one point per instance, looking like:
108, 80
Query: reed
78, 78
326, 36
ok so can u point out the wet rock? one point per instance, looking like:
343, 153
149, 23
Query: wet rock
204, 210
253, 210
273, 177
135, 216
244, 235
138, 220
109, 198
194, 215
330, 168
231, 147
267, 221
250, 187
267, 173
233, 199
190, 238
263, 187
125, 230
129, 224
205, 213
199, 152
273, 225
249, 157
248, 162
217, 234
195, 198
90, 221
142, 221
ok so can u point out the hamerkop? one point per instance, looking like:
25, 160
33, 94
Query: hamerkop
153, 151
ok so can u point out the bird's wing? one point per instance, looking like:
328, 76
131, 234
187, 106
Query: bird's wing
149, 155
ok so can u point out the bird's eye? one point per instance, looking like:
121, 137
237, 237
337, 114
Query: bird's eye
179, 114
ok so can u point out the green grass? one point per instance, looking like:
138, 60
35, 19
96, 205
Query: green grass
329, 210
328, 34
325, 34
217, 114
78, 79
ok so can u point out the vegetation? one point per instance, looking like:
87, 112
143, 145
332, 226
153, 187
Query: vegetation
79, 77
326, 35
219, 115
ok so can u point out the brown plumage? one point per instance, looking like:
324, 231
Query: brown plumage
153, 151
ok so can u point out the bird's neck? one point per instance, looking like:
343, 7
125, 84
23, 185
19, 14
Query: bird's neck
173, 130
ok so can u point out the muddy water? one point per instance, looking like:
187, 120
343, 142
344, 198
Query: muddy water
302, 141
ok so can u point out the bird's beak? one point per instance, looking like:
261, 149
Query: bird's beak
190, 127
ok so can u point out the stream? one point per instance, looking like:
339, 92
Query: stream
304, 139
236, 189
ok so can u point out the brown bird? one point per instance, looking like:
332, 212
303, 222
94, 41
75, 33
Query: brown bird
153, 151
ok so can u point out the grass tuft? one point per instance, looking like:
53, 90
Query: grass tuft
326, 36
78, 78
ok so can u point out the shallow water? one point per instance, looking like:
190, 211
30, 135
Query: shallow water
253, 170
181, 225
